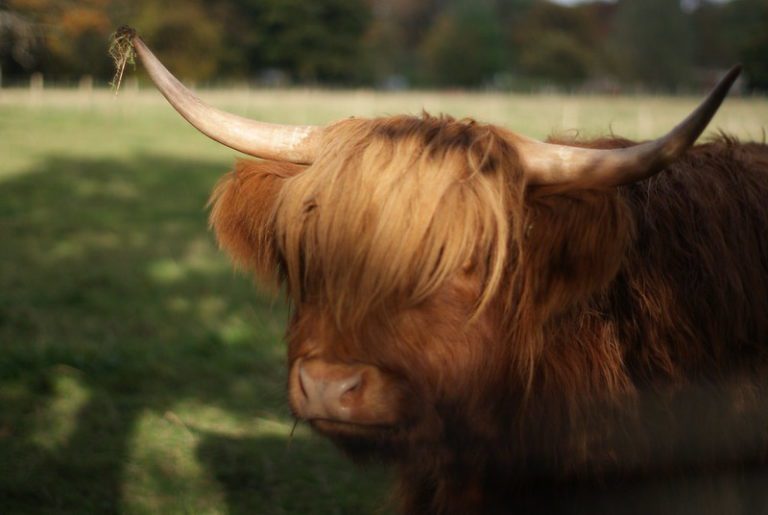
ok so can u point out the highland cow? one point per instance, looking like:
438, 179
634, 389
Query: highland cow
514, 325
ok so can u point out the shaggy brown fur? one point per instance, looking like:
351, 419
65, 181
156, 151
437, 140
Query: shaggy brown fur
415, 199
546, 338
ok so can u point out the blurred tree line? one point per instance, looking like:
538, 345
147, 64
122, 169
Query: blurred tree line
657, 44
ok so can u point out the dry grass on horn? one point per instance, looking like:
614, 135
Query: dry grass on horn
122, 52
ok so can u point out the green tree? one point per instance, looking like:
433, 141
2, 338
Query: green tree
557, 43
71, 36
712, 46
318, 40
183, 34
385, 51
558, 57
754, 55
18, 41
392, 45
464, 47
512, 16
745, 24
653, 42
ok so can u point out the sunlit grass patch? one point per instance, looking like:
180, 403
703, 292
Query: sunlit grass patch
162, 473
199, 452
56, 421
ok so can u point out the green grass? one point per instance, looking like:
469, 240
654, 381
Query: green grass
138, 372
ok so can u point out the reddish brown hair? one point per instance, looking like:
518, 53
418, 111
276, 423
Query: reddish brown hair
598, 313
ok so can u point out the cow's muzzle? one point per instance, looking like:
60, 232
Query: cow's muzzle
323, 391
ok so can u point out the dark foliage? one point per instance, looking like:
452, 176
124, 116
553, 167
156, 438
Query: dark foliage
511, 43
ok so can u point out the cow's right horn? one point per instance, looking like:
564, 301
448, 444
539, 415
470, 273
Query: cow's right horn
547, 163
293, 143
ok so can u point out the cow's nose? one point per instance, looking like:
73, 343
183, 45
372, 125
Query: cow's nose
329, 391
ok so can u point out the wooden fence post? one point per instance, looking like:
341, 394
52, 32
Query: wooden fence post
36, 87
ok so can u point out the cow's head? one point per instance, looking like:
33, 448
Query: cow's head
422, 256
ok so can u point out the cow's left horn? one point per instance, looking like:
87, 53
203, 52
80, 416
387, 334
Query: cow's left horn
294, 143
548, 163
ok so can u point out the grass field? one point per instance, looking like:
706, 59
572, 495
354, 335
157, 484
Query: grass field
138, 373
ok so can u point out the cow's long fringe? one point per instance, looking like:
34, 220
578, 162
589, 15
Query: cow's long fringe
389, 211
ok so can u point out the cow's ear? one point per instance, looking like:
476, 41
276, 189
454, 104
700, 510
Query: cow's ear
242, 214
573, 245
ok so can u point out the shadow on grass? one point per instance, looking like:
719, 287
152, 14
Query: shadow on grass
115, 304
259, 479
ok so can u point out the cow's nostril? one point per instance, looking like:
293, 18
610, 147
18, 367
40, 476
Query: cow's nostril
329, 391
324, 391
347, 388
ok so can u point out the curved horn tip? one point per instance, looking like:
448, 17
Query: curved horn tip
550, 163
735, 70
278, 142
725, 84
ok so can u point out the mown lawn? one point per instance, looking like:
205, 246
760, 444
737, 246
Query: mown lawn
138, 372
